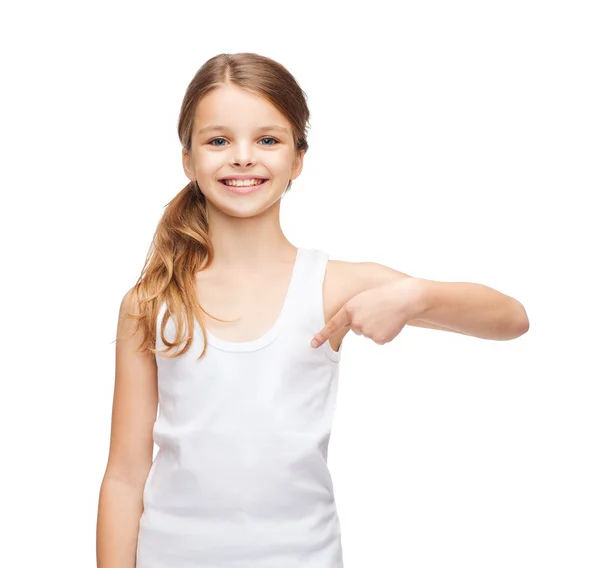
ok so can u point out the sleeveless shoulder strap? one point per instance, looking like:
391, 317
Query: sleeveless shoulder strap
306, 296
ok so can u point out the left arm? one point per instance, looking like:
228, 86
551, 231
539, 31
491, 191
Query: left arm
463, 307
384, 300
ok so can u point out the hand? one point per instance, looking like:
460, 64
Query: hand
379, 313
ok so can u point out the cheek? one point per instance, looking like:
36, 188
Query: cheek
279, 163
208, 164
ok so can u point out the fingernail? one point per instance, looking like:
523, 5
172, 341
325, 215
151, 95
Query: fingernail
314, 343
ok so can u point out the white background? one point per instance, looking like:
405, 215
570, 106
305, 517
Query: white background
454, 141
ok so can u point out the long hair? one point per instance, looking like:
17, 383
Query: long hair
181, 246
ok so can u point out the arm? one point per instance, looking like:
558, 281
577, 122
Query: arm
386, 300
460, 307
135, 404
476, 309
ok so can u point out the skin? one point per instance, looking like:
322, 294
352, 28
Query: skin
245, 230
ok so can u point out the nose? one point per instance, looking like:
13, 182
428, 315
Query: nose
243, 156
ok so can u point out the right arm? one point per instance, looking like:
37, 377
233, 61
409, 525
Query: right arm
135, 404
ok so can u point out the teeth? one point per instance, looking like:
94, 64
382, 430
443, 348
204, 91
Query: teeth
242, 182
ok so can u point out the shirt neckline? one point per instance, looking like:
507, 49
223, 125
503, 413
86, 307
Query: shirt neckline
272, 333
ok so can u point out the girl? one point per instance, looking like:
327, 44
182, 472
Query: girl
226, 308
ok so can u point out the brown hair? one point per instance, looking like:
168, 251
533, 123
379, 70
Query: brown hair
180, 246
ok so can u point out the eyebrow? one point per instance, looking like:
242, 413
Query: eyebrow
262, 128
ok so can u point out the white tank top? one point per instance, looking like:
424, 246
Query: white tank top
241, 477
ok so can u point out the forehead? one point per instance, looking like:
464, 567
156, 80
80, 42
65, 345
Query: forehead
237, 109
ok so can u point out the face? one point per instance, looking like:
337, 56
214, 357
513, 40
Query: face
236, 133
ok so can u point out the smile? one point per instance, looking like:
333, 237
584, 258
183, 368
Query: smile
243, 187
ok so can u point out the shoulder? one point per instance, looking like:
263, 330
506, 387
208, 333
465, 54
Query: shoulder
351, 278
130, 305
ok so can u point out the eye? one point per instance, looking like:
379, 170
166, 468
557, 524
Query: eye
270, 138
274, 141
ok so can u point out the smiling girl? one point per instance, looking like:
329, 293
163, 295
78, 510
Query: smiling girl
216, 334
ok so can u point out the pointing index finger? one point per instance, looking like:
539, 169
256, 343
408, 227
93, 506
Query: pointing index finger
338, 321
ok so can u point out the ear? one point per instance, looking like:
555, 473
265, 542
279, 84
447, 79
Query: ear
297, 167
187, 161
